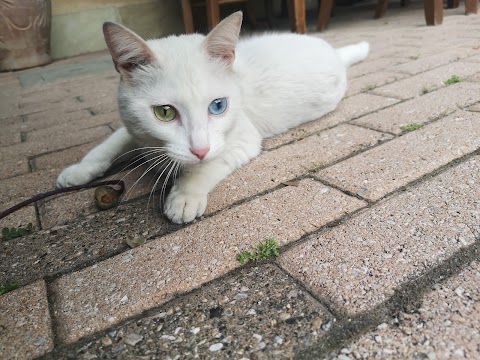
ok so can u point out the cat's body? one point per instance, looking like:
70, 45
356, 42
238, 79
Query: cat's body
207, 102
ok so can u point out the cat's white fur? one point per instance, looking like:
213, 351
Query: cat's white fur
273, 82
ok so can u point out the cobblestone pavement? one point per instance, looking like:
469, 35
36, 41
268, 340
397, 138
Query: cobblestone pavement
375, 207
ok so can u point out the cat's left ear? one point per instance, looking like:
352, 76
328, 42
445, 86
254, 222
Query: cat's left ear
222, 40
128, 50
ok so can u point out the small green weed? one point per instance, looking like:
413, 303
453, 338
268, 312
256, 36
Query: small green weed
7, 288
265, 250
10, 233
411, 127
454, 79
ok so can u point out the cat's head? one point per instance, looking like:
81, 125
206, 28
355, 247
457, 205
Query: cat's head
180, 90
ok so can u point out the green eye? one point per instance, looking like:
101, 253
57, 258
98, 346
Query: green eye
165, 113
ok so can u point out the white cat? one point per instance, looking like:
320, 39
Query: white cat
206, 103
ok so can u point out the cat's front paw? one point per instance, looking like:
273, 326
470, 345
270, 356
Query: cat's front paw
183, 207
77, 174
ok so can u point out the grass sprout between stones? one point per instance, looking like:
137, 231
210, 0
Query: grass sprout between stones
454, 79
265, 250
411, 127
10, 233
7, 288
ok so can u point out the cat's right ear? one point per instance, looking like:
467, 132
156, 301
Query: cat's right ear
128, 50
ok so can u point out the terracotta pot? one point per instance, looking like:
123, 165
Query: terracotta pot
24, 33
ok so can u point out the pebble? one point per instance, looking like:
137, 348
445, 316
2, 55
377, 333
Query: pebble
292, 294
258, 337
382, 326
343, 357
133, 339
278, 340
378, 338
40, 341
459, 353
240, 296
215, 347
244, 288
285, 316
106, 341
251, 312
124, 300
327, 325
168, 337
195, 330
261, 345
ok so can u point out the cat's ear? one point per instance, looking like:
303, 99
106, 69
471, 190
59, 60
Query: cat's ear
222, 40
128, 50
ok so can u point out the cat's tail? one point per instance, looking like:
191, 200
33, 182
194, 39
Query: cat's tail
352, 54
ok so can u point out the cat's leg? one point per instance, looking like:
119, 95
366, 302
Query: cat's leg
187, 199
98, 160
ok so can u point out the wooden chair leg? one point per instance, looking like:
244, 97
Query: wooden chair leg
269, 12
453, 4
213, 13
296, 10
187, 17
471, 6
381, 9
251, 14
324, 14
433, 11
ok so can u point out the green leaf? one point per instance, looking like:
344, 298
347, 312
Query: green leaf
29, 226
22, 232
8, 287
5, 231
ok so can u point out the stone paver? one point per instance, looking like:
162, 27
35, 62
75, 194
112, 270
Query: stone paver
425, 108
371, 81
376, 226
434, 60
100, 296
276, 316
444, 327
423, 83
273, 168
360, 263
14, 159
82, 242
381, 170
25, 325
348, 109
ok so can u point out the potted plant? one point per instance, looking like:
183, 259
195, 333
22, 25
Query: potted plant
24, 33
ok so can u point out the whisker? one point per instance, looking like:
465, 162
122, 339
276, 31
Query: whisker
138, 158
157, 161
165, 182
155, 185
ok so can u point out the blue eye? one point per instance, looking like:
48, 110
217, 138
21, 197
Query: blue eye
217, 106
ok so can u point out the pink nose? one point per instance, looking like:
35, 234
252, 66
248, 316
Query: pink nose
200, 152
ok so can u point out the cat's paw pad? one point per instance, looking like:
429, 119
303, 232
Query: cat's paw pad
77, 174
182, 207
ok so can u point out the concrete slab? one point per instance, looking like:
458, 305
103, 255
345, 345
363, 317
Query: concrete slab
386, 168
100, 296
444, 327
360, 263
350, 108
272, 168
277, 318
25, 325
433, 105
